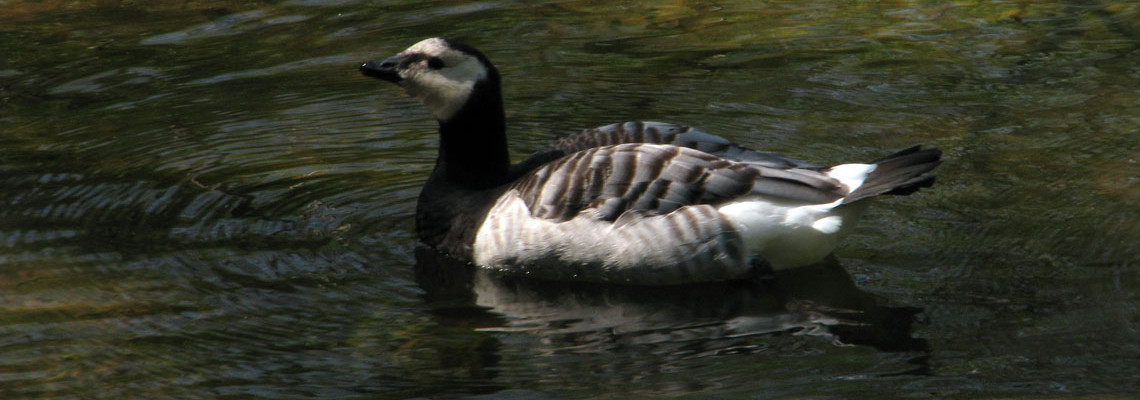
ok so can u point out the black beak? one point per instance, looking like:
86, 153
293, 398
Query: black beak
387, 70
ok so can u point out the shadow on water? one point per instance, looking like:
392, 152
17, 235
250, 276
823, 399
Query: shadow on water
712, 319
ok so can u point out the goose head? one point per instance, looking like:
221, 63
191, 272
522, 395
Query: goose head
442, 74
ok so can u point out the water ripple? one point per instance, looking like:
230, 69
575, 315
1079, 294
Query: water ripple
233, 24
292, 66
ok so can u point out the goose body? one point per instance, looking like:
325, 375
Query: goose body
645, 203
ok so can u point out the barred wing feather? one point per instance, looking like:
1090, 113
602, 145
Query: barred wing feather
677, 135
658, 179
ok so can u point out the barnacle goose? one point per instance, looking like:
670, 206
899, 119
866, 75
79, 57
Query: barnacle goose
642, 203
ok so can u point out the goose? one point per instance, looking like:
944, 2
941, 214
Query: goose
635, 203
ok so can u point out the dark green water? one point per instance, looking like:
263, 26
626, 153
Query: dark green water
203, 199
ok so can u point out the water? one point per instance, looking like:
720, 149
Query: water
206, 200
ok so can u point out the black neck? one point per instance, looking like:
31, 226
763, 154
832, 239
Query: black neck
473, 143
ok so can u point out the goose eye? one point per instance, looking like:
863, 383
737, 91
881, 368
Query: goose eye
435, 63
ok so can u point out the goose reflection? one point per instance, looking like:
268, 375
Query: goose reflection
820, 300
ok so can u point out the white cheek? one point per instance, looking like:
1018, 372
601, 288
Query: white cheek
444, 92
443, 97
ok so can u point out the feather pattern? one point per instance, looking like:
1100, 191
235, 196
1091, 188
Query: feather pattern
690, 244
636, 202
652, 213
658, 179
677, 135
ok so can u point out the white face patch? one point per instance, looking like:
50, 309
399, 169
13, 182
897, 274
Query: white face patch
442, 90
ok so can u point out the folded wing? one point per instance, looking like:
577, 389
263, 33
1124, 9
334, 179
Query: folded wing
657, 179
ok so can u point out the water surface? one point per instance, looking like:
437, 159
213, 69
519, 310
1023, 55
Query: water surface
206, 200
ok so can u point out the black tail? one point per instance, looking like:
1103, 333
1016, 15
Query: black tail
900, 173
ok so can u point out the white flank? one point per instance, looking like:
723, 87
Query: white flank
851, 175
632, 252
790, 235
828, 225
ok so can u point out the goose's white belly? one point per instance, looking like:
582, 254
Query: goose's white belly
692, 244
